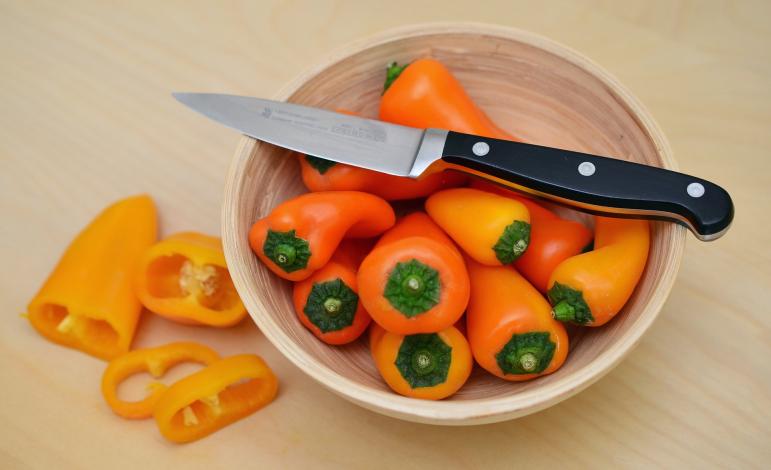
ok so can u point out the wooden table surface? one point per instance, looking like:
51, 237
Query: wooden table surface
86, 118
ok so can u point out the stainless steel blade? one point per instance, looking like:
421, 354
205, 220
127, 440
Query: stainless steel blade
379, 146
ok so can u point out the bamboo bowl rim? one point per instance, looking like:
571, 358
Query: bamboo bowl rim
475, 411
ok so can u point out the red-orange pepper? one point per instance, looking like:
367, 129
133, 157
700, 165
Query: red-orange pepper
591, 288
327, 303
214, 397
424, 94
299, 236
185, 278
156, 361
414, 280
510, 328
552, 239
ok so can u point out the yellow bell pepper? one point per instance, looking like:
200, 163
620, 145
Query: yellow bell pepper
492, 229
88, 301
185, 278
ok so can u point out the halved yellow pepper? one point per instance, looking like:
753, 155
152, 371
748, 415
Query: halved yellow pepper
156, 361
88, 302
214, 397
185, 278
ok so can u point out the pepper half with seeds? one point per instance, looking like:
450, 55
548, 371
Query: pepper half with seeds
431, 366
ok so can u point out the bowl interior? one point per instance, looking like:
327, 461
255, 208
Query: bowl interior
528, 86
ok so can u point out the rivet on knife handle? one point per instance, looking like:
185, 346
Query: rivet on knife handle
599, 184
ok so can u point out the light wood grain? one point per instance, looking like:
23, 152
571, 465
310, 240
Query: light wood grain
85, 118
531, 87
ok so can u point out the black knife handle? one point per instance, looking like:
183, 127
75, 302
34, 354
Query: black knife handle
599, 184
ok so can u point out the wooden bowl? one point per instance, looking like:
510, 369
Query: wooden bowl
537, 89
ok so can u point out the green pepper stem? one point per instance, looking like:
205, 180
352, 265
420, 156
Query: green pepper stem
563, 311
392, 73
332, 305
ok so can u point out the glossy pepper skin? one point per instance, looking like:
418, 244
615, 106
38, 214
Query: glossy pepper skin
299, 236
414, 280
185, 279
327, 303
88, 301
510, 328
156, 361
325, 175
591, 288
214, 397
492, 229
429, 366
552, 238
424, 94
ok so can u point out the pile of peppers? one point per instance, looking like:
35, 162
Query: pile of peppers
480, 274
93, 300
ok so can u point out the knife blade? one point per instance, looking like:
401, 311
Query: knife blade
598, 184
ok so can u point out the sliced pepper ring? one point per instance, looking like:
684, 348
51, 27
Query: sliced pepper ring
215, 397
185, 278
155, 361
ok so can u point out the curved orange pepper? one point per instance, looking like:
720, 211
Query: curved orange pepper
325, 175
510, 328
214, 397
185, 278
492, 229
552, 239
156, 361
327, 303
591, 288
424, 94
88, 302
299, 235
414, 284
429, 366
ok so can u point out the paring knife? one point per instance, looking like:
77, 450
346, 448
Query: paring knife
590, 182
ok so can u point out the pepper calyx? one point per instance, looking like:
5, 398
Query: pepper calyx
320, 164
513, 242
424, 360
568, 305
412, 288
331, 305
288, 251
526, 353
392, 73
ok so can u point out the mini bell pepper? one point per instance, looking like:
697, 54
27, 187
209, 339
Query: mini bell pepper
320, 174
430, 366
214, 397
414, 283
552, 239
492, 229
591, 288
185, 278
88, 302
299, 236
156, 361
424, 94
327, 303
510, 328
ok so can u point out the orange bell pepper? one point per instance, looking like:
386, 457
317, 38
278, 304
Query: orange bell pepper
214, 397
510, 328
424, 94
156, 361
185, 278
327, 303
320, 174
492, 229
299, 236
414, 284
591, 288
88, 302
552, 239
429, 366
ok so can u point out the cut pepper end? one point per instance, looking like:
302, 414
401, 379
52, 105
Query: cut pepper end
93, 336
